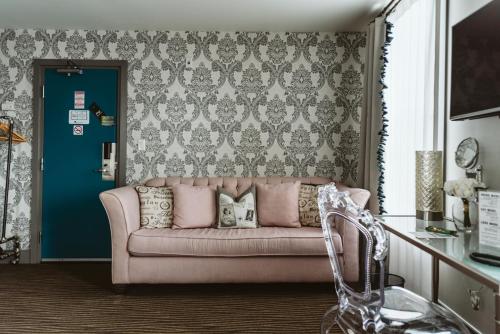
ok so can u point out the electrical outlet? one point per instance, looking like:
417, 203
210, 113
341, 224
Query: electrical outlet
8, 105
142, 145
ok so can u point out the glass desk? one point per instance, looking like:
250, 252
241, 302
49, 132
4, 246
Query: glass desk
452, 251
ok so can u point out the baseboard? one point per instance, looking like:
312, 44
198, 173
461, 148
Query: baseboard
77, 260
25, 258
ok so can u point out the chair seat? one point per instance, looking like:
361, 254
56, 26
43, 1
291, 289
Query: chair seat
262, 241
405, 312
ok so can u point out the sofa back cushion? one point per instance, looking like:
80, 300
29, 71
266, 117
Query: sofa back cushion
278, 204
194, 206
234, 185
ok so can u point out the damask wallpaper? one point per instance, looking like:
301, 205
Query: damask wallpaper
207, 103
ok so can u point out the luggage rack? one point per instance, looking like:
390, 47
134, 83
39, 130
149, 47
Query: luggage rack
10, 136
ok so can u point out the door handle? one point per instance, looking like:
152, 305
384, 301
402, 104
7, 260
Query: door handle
108, 163
101, 170
475, 299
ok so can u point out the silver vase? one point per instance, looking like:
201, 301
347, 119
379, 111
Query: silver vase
429, 182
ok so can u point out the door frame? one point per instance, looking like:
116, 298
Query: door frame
39, 67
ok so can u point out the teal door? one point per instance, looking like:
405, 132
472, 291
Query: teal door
74, 224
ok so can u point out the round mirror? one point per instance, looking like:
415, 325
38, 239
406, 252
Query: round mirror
467, 153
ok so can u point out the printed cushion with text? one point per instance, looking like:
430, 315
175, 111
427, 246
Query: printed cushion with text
156, 206
236, 212
308, 206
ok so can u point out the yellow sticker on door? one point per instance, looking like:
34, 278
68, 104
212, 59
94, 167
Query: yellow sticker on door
77, 130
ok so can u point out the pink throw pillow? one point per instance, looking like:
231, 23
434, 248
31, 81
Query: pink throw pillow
278, 204
194, 206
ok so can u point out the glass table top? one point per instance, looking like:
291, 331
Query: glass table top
454, 251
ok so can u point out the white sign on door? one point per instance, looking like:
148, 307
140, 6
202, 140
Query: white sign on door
78, 117
77, 130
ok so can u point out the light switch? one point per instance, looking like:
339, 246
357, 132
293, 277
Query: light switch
142, 144
8, 105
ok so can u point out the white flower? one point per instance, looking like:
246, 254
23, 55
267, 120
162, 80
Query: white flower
463, 188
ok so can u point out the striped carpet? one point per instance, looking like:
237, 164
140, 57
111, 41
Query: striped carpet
77, 298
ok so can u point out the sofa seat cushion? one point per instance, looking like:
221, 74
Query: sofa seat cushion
263, 241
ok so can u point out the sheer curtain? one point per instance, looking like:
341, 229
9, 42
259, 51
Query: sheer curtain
413, 118
410, 100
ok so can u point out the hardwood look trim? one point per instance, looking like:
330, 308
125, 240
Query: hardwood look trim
39, 67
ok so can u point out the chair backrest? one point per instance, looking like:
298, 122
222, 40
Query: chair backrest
335, 205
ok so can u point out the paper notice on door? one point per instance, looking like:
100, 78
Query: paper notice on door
79, 99
489, 218
78, 117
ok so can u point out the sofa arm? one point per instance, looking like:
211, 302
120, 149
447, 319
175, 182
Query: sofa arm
350, 235
122, 208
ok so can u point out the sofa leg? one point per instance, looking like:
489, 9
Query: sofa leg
120, 289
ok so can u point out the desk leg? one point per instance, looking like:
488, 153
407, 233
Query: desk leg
497, 312
435, 279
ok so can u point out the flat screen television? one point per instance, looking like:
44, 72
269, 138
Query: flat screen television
475, 64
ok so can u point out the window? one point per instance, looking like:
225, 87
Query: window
410, 100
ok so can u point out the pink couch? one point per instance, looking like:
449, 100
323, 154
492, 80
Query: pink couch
265, 254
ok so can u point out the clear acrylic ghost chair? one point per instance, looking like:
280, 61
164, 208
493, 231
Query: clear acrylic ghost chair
379, 310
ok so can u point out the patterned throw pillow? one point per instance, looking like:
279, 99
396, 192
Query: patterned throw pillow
308, 206
156, 206
236, 212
